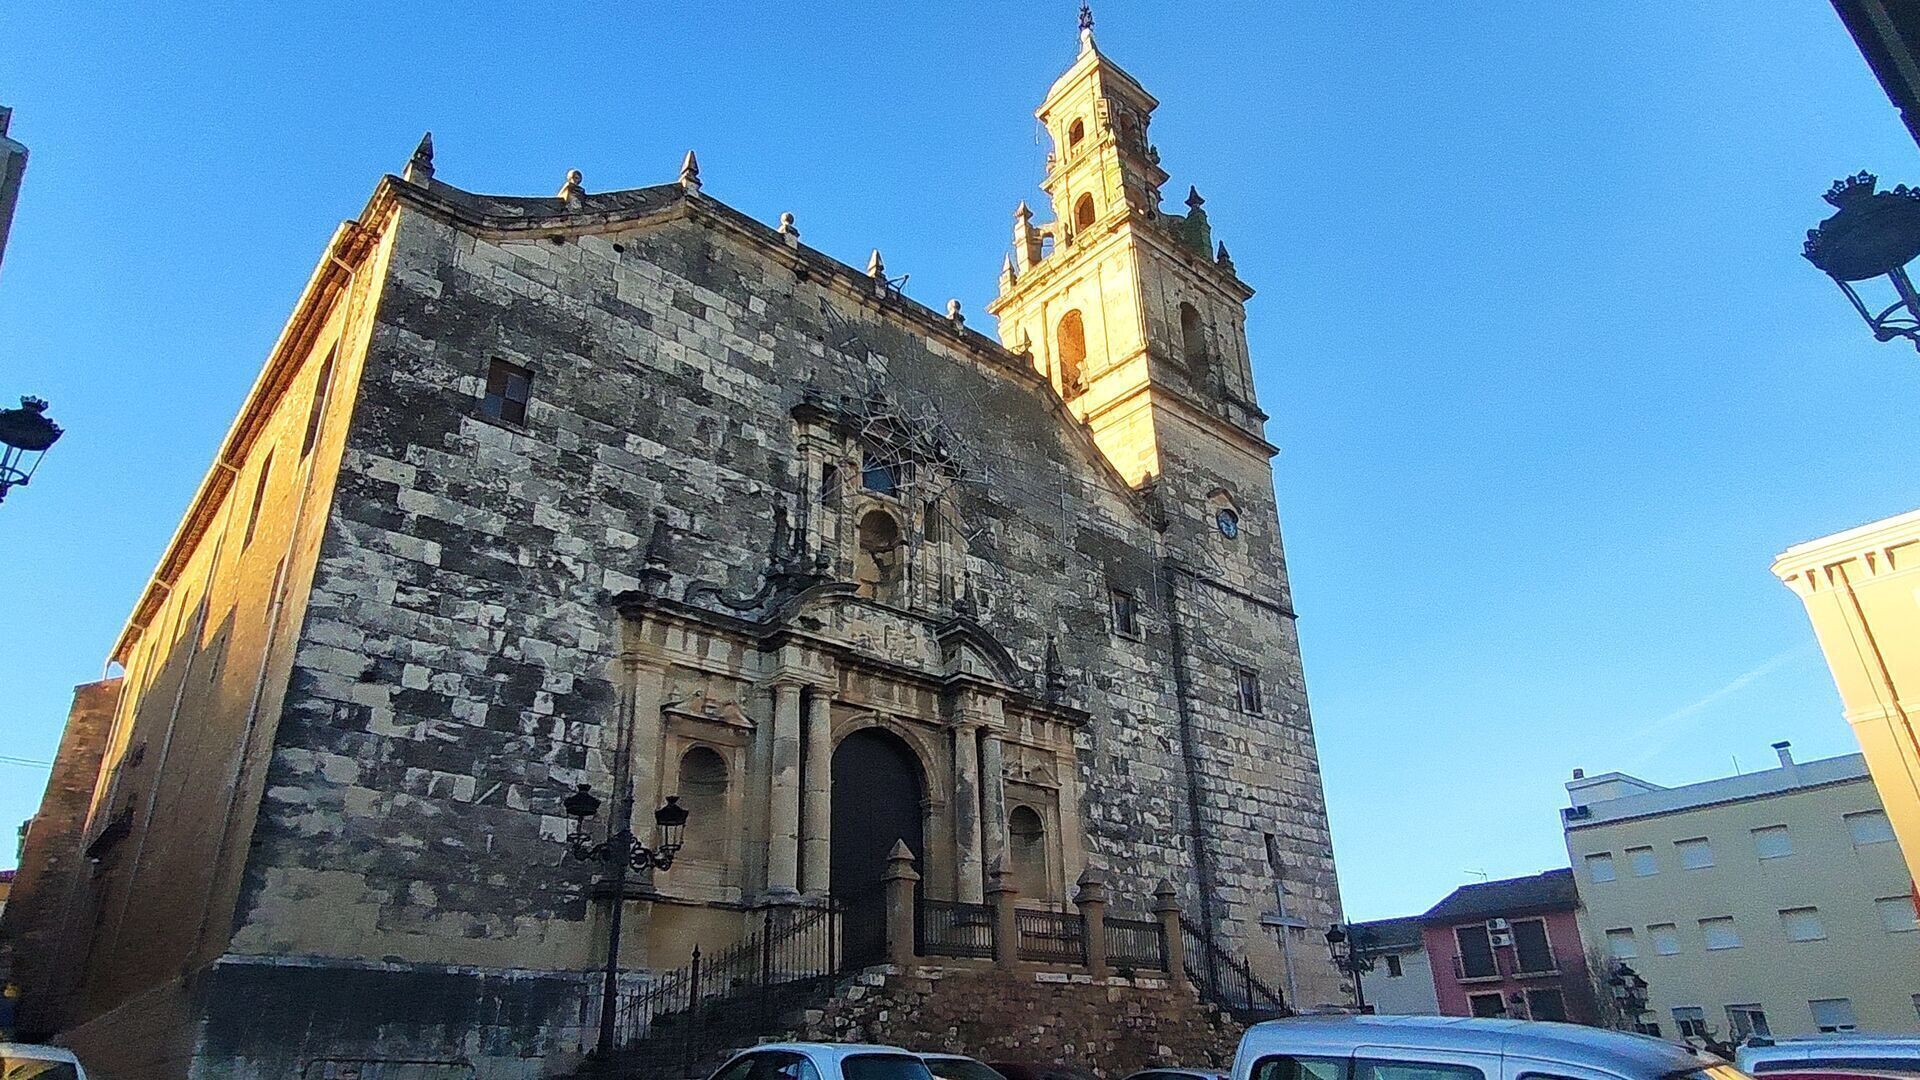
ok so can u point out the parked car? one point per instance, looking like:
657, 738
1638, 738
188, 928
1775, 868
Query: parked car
30, 1061
1831, 1056
1460, 1048
823, 1061
1177, 1074
1018, 1070
959, 1067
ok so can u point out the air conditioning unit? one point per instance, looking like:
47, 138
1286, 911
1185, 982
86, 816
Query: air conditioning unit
1497, 925
1502, 938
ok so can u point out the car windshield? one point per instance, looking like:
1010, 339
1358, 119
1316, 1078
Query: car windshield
884, 1067
959, 1068
19, 1068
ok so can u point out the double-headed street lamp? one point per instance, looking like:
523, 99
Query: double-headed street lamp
25, 435
1872, 235
614, 855
1348, 946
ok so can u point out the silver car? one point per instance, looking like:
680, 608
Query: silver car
823, 1061
1844, 1052
1458, 1048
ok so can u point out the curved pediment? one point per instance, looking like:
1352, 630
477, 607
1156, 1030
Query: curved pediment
956, 647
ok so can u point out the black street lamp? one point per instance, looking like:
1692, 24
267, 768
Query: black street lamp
1629, 992
1348, 946
25, 434
619, 851
1872, 234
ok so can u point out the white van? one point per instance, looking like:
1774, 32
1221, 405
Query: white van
1459, 1048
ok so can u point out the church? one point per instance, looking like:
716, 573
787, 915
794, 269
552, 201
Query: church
630, 491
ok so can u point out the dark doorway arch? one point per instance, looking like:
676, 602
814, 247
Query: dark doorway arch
877, 799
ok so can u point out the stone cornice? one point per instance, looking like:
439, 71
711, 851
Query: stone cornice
1866, 543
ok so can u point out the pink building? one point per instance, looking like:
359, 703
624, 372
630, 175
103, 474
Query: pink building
1511, 948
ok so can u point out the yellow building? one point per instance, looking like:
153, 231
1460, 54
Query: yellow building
1862, 591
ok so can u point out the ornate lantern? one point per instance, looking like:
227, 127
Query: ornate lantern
1872, 234
25, 435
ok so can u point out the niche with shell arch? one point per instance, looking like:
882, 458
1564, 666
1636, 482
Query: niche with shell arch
879, 558
702, 789
1027, 852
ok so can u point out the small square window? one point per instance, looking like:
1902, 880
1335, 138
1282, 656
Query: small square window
1772, 842
1833, 1014
1641, 859
1897, 914
1600, 867
1869, 827
1720, 933
879, 477
1249, 685
1126, 613
1746, 1021
1695, 854
1487, 1005
1690, 1021
1802, 924
1394, 970
1666, 938
509, 387
1621, 944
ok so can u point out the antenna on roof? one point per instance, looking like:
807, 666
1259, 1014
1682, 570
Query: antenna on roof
1481, 874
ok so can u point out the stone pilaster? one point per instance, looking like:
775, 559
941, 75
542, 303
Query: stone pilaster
993, 797
816, 814
783, 815
969, 881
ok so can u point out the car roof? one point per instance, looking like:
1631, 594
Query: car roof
1571, 1043
1825, 1045
829, 1051
38, 1052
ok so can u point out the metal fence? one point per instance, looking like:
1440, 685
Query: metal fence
1225, 981
1135, 944
1051, 936
951, 928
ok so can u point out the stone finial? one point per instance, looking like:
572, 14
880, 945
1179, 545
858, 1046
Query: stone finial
1023, 213
690, 174
999, 878
1086, 25
1194, 201
1054, 678
1196, 230
1092, 886
876, 268
660, 541
1007, 273
572, 191
789, 231
1165, 897
953, 313
900, 863
1224, 260
420, 166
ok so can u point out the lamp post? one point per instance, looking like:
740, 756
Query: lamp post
614, 855
1872, 235
1629, 992
25, 435
1347, 945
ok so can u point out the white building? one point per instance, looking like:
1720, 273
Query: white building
1401, 982
1770, 902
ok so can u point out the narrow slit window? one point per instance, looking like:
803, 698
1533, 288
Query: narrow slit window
259, 496
322, 389
1249, 687
1126, 613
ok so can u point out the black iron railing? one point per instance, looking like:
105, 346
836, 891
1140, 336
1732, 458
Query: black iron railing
715, 1002
1135, 944
952, 928
1051, 936
1227, 981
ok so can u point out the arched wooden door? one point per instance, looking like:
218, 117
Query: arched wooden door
877, 802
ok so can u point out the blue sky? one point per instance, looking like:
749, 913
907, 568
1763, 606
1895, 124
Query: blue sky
1551, 381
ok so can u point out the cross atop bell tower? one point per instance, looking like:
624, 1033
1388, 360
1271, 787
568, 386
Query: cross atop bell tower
1129, 310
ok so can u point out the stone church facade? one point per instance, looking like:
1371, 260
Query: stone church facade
627, 489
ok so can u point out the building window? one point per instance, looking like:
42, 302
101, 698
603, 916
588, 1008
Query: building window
1666, 938
1833, 1014
1476, 952
1897, 914
509, 386
1070, 348
1802, 924
1720, 933
317, 411
1076, 134
1690, 1021
1747, 1021
1531, 947
1488, 1005
879, 476
1600, 867
1621, 944
1126, 613
1546, 1005
703, 794
1084, 213
1394, 970
1772, 842
830, 484
1695, 854
1027, 849
1641, 859
259, 497
1249, 688
1869, 827
1193, 339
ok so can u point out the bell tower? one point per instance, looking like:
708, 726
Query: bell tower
1133, 313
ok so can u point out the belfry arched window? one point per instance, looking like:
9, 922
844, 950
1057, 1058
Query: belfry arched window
1070, 347
1193, 338
1076, 133
1083, 212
